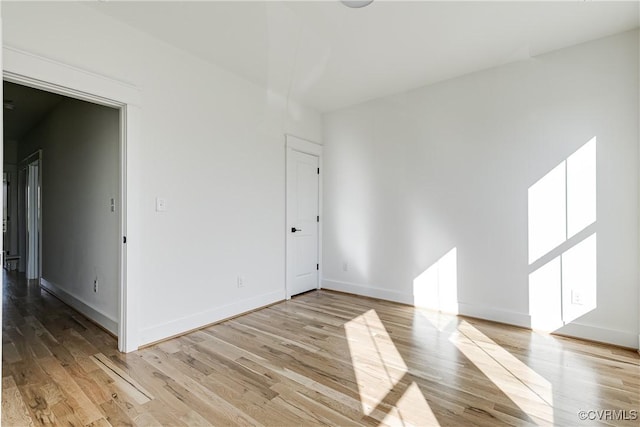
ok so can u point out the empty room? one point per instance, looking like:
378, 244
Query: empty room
296, 213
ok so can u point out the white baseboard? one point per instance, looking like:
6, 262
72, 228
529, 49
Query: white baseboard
594, 333
367, 291
407, 298
494, 314
198, 320
577, 330
102, 319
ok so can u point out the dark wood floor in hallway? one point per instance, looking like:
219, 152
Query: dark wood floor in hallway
322, 358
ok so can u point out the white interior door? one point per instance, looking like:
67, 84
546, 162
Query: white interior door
302, 221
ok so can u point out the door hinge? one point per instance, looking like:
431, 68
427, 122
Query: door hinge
317, 266
124, 239
318, 218
318, 171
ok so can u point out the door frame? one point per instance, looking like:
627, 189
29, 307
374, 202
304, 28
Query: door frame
294, 143
24, 165
13, 174
43, 73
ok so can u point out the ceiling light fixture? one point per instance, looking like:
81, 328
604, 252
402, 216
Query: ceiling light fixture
356, 4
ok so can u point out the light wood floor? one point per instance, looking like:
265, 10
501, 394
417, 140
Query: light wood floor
321, 358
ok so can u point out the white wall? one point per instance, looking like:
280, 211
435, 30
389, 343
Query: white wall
80, 174
412, 176
213, 146
11, 168
10, 157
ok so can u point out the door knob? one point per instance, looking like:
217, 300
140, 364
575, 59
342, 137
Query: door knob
293, 229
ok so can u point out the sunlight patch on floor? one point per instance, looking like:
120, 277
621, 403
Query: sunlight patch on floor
377, 364
411, 410
379, 369
522, 385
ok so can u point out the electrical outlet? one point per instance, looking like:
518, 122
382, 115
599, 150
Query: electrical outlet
240, 282
345, 266
576, 297
161, 204
95, 285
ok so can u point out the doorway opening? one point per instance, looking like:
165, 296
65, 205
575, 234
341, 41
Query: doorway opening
66, 152
34, 71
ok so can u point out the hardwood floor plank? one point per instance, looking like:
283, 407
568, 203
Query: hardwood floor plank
115, 416
10, 353
321, 409
123, 380
164, 403
66, 415
40, 411
156, 414
14, 411
322, 358
85, 409
223, 411
100, 423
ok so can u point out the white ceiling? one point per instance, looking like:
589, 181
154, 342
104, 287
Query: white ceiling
328, 56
